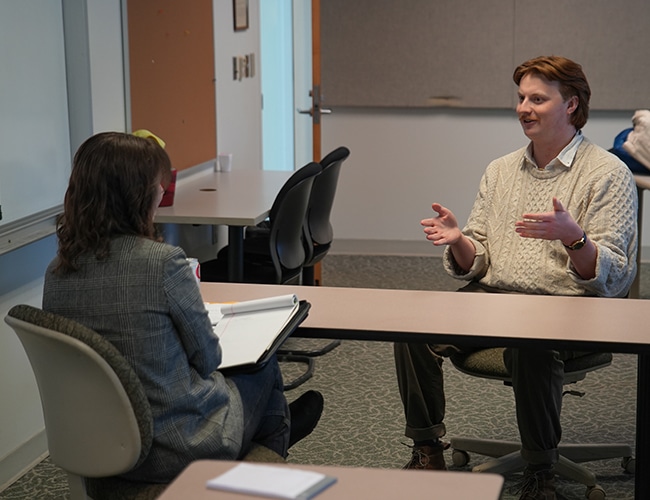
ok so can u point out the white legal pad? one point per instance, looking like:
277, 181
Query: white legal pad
272, 481
248, 330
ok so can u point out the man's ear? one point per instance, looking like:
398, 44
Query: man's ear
572, 104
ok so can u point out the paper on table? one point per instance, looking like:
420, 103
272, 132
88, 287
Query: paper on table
272, 481
246, 330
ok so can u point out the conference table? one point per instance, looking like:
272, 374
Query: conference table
237, 199
352, 483
485, 319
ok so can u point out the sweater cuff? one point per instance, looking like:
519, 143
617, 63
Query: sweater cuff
478, 266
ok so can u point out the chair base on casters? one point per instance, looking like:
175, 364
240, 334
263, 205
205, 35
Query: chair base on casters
289, 352
293, 358
115, 488
291, 348
507, 458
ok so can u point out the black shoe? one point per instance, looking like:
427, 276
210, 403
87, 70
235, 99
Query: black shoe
305, 414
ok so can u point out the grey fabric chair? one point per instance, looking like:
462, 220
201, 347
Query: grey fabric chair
98, 419
489, 363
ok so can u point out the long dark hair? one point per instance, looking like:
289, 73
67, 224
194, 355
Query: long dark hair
114, 183
568, 74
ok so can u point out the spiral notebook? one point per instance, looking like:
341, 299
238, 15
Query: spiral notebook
250, 332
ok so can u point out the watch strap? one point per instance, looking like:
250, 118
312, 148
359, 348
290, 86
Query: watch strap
578, 244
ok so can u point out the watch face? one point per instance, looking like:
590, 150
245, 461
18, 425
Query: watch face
578, 245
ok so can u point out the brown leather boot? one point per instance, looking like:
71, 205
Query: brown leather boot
537, 485
427, 457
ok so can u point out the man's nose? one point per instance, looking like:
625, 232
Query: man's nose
523, 106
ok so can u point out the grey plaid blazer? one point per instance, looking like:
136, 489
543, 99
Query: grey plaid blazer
145, 301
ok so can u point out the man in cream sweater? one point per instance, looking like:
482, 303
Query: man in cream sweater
555, 217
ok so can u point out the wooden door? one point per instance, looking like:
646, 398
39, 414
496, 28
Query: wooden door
316, 97
316, 79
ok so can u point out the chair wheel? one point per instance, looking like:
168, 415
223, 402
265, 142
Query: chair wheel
595, 493
629, 464
460, 458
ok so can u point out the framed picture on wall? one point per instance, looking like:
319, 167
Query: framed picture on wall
240, 13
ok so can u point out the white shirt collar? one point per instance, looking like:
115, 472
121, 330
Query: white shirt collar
565, 157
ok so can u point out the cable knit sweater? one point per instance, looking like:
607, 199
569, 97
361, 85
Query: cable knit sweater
599, 192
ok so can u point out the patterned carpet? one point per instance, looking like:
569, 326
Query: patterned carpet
362, 424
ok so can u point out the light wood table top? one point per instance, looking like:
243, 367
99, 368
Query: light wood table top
352, 483
478, 319
491, 319
236, 198
643, 181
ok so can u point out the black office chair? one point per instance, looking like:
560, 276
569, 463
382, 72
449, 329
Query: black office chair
489, 363
318, 229
277, 258
318, 232
276, 254
318, 240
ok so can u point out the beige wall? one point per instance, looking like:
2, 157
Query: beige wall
402, 161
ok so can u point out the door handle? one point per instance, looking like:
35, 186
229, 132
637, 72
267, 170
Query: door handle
310, 112
315, 111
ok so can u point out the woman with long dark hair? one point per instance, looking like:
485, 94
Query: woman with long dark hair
113, 275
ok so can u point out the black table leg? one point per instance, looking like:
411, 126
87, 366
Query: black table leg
642, 477
235, 254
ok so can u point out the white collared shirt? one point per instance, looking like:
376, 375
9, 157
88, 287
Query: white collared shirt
564, 158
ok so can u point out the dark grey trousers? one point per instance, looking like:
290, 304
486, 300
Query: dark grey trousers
537, 378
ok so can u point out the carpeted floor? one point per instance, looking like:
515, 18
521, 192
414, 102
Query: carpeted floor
362, 424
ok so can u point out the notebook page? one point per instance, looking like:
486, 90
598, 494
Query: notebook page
245, 337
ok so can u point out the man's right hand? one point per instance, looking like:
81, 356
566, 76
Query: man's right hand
442, 229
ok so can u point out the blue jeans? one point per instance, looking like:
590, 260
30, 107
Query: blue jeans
266, 412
